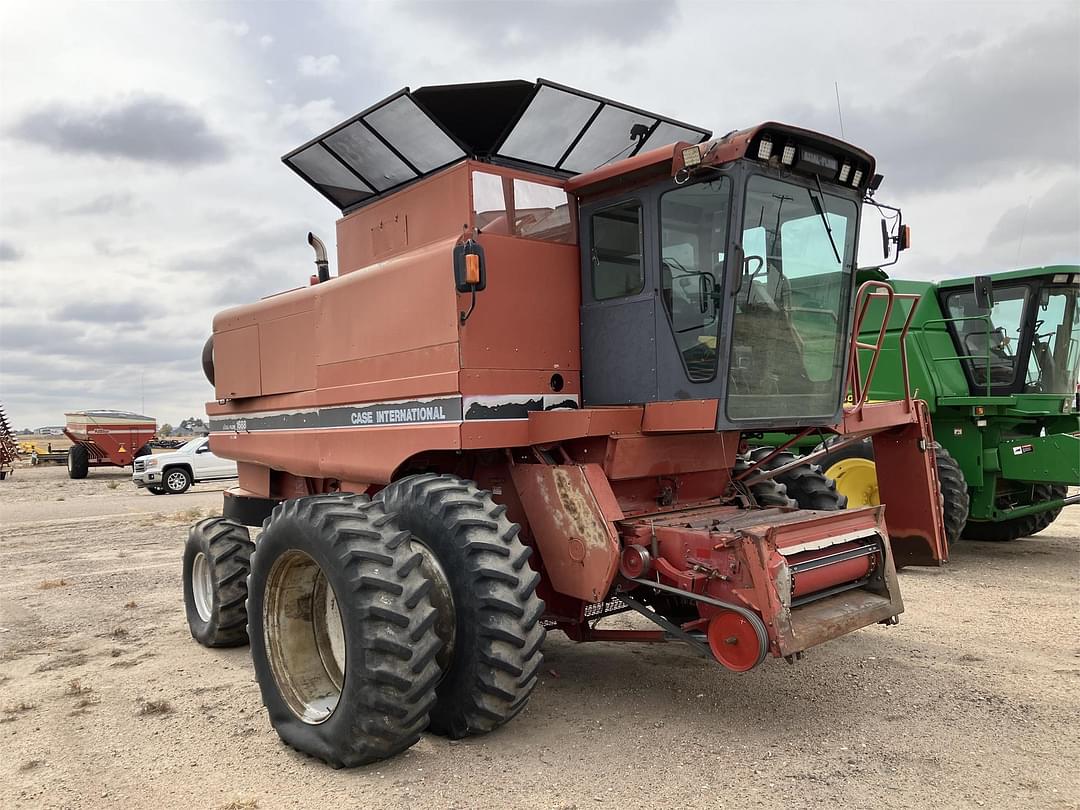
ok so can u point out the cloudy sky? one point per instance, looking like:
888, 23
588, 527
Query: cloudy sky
141, 188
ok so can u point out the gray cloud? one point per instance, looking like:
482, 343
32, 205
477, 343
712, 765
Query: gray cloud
555, 25
1055, 212
975, 114
151, 129
106, 312
8, 252
114, 203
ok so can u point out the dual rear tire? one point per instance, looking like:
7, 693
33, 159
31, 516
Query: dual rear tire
373, 620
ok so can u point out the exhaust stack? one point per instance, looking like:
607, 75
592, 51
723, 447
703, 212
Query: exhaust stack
321, 264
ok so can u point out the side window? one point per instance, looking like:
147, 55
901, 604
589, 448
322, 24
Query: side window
616, 253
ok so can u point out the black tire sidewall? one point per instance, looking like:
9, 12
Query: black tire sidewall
285, 533
165, 479
201, 631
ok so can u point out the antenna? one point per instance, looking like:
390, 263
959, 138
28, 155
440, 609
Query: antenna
839, 114
1023, 228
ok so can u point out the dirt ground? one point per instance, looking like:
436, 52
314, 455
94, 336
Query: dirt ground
105, 700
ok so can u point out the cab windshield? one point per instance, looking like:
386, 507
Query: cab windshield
1054, 365
791, 307
995, 344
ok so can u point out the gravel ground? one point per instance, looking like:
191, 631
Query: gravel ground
105, 700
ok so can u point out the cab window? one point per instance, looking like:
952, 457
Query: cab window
616, 252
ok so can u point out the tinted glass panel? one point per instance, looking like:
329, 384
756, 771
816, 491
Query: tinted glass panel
549, 125
607, 139
616, 254
330, 176
990, 346
671, 133
413, 134
358, 147
542, 212
694, 228
790, 310
1055, 353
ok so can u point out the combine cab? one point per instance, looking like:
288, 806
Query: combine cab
996, 358
106, 439
523, 404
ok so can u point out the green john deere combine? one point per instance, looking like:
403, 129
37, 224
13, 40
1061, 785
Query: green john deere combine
996, 359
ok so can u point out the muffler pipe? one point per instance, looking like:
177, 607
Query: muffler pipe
322, 266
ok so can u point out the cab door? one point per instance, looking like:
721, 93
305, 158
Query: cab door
618, 304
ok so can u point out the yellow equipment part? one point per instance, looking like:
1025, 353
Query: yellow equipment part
856, 478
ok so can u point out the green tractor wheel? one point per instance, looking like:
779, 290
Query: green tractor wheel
1000, 531
853, 469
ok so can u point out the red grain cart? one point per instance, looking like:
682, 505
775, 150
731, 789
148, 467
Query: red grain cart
106, 439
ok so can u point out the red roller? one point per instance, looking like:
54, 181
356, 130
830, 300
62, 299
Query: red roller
810, 580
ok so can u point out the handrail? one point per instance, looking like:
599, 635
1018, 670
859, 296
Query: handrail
985, 358
860, 389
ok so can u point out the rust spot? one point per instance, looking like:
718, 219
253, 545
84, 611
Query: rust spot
575, 503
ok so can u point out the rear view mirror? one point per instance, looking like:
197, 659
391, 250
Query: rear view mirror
984, 293
470, 274
884, 238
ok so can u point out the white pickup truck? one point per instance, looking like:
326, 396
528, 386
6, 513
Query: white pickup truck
172, 473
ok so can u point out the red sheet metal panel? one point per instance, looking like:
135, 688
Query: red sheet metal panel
578, 543
286, 356
692, 414
908, 483
640, 456
236, 370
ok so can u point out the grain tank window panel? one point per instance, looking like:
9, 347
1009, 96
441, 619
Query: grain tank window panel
544, 334
549, 126
286, 358
509, 204
607, 139
236, 370
423, 144
667, 132
367, 155
330, 176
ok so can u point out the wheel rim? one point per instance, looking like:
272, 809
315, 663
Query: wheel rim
442, 599
857, 479
176, 481
202, 587
305, 637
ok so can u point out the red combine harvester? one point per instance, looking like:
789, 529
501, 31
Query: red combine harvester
522, 405
106, 439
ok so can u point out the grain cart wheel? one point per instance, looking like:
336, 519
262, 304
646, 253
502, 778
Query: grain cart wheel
143, 451
177, 480
78, 461
342, 629
807, 484
485, 592
1001, 531
769, 492
216, 566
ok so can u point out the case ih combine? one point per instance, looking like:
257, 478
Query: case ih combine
522, 405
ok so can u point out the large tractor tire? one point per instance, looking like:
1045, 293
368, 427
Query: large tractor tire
852, 468
216, 565
78, 461
1005, 530
342, 629
485, 593
806, 484
767, 493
